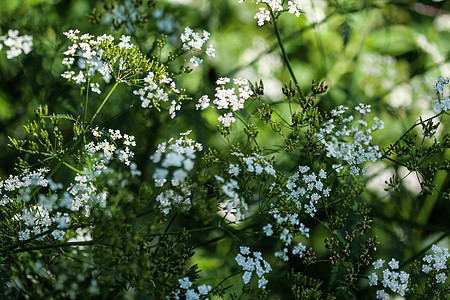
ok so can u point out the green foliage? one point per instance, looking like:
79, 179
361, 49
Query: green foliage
262, 192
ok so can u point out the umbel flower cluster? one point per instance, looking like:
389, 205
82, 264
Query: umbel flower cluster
336, 139
399, 281
301, 196
16, 43
251, 264
190, 293
52, 212
125, 63
227, 99
176, 157
264, 14
442, 103
256, 198
193, 41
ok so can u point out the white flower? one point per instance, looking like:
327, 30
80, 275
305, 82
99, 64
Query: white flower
95, 87
185, 283
441, 278
234, 169
196, 61
204, 289
294, 7
268, 229
179, 176
227, 119
381, 294
210, 51
378, 264
251, 264
203, 103
393, 264
262, 283
222, 80
373, 279
246, 277
262, 16
17, 44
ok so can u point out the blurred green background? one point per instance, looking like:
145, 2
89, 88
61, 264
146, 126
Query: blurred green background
383, 53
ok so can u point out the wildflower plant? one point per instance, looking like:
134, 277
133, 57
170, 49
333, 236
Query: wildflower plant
235, 195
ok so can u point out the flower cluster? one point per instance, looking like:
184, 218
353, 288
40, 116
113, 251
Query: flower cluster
156, 90
52, 212
443, 102
193, 40
190, 294
263, 15
228, 98
176, 157
38, 216
396, 281
251, 264
334, 133
85, 47
122, 61
303, 192
17, 44
84, 194
102, 152
235, 206
437, 262
254, 163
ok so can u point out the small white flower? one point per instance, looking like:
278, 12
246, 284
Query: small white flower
268, 229
441, 278
262, 16
203, 103
196, 61
210, 51
393, 264
378, 264
227, 119
185, 283
373, 279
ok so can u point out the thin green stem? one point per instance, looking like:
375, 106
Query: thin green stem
72, 168
104, 102
86, 101
51, 246
243, 122
391, 147
202, 229
285, 56
226, 278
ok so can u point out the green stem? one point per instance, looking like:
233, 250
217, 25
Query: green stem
202, 229
61, 162
68, 244
285, 56
226, 278
391, 147
86, 101
104, 102
18, 244
72, 168
246, 125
